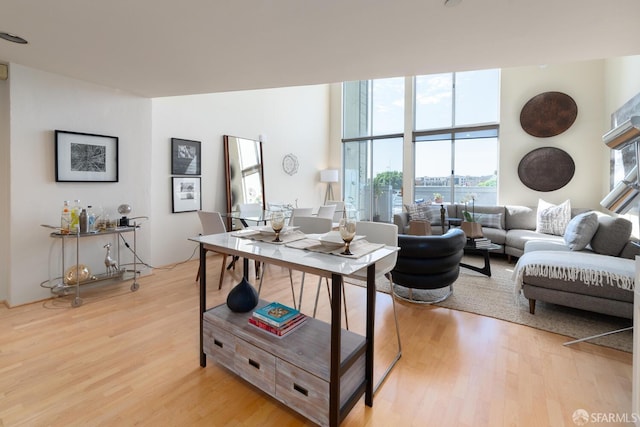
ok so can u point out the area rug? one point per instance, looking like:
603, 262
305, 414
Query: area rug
495, 297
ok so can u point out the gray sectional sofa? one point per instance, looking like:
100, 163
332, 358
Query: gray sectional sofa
591, 267
509, 226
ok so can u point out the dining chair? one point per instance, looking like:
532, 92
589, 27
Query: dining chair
326, 211
299, 212
275, 206
310, 225
338, 213
381, 232
212, 224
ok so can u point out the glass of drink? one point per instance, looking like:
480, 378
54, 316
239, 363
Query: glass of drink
347, 229
277, 223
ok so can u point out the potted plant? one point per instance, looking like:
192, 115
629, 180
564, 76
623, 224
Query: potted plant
437, 197
471, 228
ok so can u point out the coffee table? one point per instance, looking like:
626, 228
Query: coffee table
471, 250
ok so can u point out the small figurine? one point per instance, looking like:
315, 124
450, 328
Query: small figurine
109, 262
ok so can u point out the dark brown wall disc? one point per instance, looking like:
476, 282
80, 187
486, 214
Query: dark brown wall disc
548, 114
546, 169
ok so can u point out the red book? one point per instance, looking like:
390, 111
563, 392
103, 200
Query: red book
278, 332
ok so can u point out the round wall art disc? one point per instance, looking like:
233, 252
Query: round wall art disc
548, 114
546, 169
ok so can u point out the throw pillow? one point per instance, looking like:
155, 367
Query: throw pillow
553, 219
489, 220
432, 212
581, 230
612, 235
416, 211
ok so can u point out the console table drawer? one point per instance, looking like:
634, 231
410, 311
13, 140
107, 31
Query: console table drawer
256, 366
219, 344
303, 392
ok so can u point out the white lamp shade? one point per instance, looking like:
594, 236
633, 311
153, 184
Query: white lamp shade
329, 175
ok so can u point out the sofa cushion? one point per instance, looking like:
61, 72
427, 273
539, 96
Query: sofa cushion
545, 245
496, 235
553, 219
520, 218
517, 238
581, 230
631, 249
611, 236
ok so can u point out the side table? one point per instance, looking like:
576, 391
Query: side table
471, 250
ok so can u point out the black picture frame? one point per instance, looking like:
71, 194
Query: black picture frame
186, 194
185, 157
86, 157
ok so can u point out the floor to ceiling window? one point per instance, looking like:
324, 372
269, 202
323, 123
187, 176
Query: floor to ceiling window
373, 128
456, 136
455, 132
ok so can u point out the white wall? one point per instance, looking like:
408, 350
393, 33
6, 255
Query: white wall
293, 120
5, 168
584, 82
41, 103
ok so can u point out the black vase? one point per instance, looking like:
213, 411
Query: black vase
242, 298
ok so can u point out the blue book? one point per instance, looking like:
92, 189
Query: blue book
276, 314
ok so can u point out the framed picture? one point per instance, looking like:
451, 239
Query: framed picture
185, 157
186, 194
86, 157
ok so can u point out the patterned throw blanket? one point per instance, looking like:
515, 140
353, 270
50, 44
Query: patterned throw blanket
590, 268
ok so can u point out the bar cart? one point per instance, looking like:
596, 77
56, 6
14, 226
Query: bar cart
115, 273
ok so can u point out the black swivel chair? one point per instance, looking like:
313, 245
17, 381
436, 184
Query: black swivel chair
428, 262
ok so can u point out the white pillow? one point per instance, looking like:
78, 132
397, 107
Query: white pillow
553, 219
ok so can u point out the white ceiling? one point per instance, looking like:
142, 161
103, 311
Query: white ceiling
161, 48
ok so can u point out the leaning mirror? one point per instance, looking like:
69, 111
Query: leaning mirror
244, 172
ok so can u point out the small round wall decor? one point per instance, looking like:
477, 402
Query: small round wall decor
290, 164
548, 114
546, 169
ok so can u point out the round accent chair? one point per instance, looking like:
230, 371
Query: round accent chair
428, 263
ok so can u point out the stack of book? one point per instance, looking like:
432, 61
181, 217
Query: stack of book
277, 319
479, 243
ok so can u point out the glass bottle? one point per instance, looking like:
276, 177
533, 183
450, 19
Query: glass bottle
83, 221
91, 218
65, 218
75, 217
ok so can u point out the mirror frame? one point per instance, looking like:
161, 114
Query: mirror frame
229, 177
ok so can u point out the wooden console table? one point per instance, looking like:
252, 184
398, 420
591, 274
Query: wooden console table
324, 265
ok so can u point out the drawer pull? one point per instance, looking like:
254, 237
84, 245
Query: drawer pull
254, 364
218, 343
300, 389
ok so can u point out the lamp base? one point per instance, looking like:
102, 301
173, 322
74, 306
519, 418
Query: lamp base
329, 194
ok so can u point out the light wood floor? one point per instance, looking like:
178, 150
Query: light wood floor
126, 358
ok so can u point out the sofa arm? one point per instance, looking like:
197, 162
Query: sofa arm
402, 221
